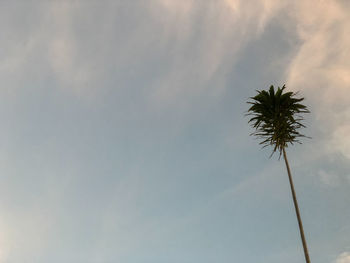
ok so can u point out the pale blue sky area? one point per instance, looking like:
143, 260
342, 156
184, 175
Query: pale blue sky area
123, 135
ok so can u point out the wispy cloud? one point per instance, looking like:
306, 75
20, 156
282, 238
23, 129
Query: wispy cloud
343, 258
216, 33
320, 69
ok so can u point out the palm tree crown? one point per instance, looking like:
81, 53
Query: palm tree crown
276, 117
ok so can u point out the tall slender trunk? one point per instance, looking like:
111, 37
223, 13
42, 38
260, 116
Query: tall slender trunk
301, 229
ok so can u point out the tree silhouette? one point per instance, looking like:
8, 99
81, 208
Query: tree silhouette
276, 118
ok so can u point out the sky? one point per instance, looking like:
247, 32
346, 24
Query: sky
124, 136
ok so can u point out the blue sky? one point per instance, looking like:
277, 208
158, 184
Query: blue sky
123, 135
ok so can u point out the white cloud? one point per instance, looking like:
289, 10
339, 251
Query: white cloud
343, 258
320, 68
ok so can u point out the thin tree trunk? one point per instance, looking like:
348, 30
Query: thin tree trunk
301, 229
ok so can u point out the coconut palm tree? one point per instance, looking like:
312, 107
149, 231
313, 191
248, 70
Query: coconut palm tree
276, 118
